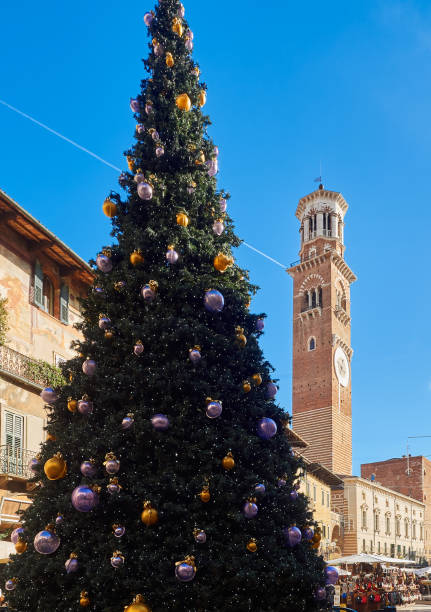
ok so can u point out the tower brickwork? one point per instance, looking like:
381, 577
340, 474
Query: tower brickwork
322, 353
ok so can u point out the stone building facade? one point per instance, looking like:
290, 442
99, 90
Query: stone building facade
321, 379
379, 520
42, 280
410, 476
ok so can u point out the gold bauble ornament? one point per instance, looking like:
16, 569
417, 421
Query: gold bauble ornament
177, 26
130, 162
252, 545
202, 98
109, 208
196, 71
205, 494
200, 159
84, 600
182, 219
20, 546
109, 334
240, 339
55, 468
183, 102
50, 437
257, 379
228, 461
169, 60
222, 262
149, 516
136, 258
72, 404
246, 386
138, 605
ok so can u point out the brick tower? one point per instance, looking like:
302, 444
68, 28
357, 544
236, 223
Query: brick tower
321, 389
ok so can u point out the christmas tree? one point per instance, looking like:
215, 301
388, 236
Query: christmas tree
167, 481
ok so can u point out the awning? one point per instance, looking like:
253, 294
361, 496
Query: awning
369, 558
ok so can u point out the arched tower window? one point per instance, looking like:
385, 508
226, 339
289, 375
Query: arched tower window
312, 343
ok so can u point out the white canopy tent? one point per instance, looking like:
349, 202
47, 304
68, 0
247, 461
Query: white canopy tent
368, 558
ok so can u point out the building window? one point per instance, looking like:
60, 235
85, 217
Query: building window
64, 304
386, 549
314, 493
38, 285
48, 296
13, 436
312, 226
406, 528
323, 497
378, 547
312, 344
388, 525
327, 499
398, 527
364, 519
307, 488
414, 531
371, 545
376, 521
324, 531
363, 545
421, 532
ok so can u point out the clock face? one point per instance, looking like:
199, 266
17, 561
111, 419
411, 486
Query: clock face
342, 369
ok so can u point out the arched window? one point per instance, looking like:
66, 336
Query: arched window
48, 296
312, 344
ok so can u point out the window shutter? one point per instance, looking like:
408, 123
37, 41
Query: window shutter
38, 285
64, 304
34, 433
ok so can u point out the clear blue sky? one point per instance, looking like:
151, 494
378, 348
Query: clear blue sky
290, 83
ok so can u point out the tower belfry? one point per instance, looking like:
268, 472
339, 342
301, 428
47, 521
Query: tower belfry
321, 385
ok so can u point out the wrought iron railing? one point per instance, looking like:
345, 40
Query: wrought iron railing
14, 461
20, 365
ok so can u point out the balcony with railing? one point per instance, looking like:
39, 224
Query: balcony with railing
14, 463
22, 368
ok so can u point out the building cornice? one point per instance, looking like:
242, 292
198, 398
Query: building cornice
314, 262
372, 485
334, 196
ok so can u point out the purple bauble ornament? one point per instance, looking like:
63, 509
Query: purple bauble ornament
266, 428
127, 422
99, 290
33, 464
84, 499
160, 422
16, 533
214, 409
148, 106
292, 535
181, 11
191, 189
222, 205
85, 406
271, 390
72, 564
112, 466
117, 560
148, 19
195, 355
59, 519
218, 227
119, 531
158, 50
122, 179
138, 349
260, 488
46, 542
89, 367
320, 594
139, 178
10, 584
250, 509
88, 469
260, 324
184, 572
145, 191
148, 294
308, 533
281, 482
155, 135
135, 107
113, 487
49, 395
189, 44
160, 151
331, 574
140, 128
213, 300
212, 167
104, 263
104, 322
171, 255
200, 536
293, 495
